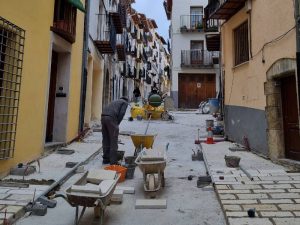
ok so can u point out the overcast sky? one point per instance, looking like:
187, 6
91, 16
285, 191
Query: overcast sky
154, 9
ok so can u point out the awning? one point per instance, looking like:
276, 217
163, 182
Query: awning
77, 4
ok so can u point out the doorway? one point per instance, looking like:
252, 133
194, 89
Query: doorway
290, 117
51, 98
196, 52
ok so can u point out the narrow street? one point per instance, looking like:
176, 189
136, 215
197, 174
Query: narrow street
186, 204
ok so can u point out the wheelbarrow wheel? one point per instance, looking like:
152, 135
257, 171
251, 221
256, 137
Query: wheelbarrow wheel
151, 182
163, 179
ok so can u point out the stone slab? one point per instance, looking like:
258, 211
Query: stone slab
276, 186
18, 211
117, 196
276, 214
260, 207
234, 191
227, 196
276, 201
275, 178
105, 186
246, 186
249, 221
285, 195
244, 201
13, 202
222, 187
19, 197
4, 190
8, 216
297, 200
297, 213
294, 190
289, 207
252, 196
285, 221
236, 214
95, 176
4, 196
269, 191
232, 208
151, 204
126, 190
88, 188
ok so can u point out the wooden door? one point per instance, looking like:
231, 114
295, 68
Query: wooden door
290, 118
51, 99
194, 88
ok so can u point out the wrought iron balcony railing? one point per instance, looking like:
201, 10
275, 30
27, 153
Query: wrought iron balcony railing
197, 58
191, 23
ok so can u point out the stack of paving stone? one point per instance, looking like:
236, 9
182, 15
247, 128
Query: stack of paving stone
14, 200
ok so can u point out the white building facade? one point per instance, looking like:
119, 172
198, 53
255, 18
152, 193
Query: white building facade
195, 70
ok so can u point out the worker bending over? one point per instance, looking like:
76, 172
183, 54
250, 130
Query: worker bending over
111, 117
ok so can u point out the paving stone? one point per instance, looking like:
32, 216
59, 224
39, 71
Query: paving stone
297, 185
252, 196
227, 196
260, 182
246, 186
151, 204
4, 196
227, 182
277, 186
249, 221
288, 182
275, 178
296, 177
269, 191
297, 200
3, 190
244, 201
222, 187
232, 208
274, 171
126, 190
9, 216
117, 196
20, 197
260, 207
287, 221
13, 202
290, 207
234, 191
18, 211
276, 201
294, 190
24, 191
276, 214
297, 213
236, 214
285, 195
95, 176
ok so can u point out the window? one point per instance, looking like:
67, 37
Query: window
196, 17
241, 44
11, 60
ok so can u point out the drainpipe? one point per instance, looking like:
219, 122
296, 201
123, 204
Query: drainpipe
84, 65
297, 19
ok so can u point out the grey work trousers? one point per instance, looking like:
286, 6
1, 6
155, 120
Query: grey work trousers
110, 133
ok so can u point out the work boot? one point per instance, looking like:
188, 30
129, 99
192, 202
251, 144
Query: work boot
106, 161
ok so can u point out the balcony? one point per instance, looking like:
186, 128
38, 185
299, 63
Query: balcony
64, 22
106, 37
118, 15
197, 58
191, 23
224, 9
121, 47
212, 34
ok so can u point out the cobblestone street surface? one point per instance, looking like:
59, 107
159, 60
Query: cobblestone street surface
267, 187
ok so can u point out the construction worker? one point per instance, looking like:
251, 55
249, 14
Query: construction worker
111, 117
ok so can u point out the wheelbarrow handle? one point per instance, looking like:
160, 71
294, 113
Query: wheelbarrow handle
60, 195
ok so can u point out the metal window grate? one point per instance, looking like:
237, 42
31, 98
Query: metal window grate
241, 43
11, 61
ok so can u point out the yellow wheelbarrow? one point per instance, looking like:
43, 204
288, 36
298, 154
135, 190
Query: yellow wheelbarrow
141, 141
